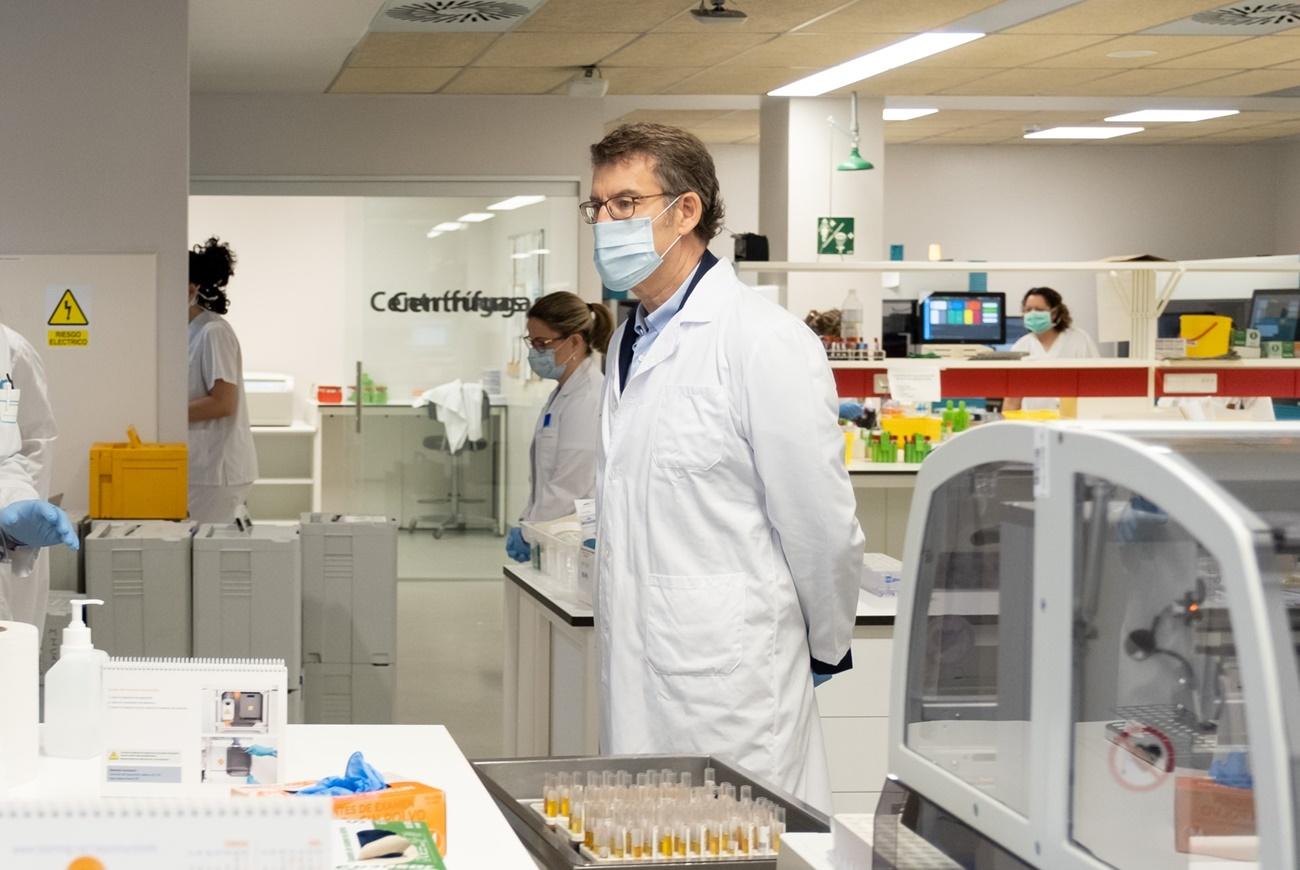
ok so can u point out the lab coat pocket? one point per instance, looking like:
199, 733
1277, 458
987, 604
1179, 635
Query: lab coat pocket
689, 427
694, 625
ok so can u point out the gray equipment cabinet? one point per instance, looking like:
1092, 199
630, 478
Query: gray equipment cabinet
1096, 650
248, 597
349, 618
141, 571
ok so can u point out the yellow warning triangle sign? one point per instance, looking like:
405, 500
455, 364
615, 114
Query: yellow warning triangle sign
68, 312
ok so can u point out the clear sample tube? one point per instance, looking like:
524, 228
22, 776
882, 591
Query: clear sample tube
550, 796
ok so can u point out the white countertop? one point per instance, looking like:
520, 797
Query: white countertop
861, 466
335, 408
478, 836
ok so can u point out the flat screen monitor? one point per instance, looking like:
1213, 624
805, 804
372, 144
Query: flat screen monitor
1275, 314
1168, 324
898, 316
963, 318
1015, 330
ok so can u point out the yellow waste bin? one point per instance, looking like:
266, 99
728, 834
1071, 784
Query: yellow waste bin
139, 481
1207, 335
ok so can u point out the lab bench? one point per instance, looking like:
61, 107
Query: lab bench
884, 496
478, 836
551, 700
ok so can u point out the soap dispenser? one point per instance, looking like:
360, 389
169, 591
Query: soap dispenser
74, 692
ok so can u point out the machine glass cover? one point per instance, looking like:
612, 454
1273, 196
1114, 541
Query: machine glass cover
968, 686
1161, 762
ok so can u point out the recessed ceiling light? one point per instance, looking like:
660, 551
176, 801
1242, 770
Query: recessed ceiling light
873, 64
1132, 53
1082, 132
905, 114
1172, 116
449, 227
433, 234
476, 217
515, 202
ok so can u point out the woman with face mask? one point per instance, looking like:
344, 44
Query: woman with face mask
223, 464
565, 334
1051, 335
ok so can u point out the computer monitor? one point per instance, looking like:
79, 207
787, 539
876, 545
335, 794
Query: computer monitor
963, 318
898, 316
1168, 324
1275, 314
1015, 330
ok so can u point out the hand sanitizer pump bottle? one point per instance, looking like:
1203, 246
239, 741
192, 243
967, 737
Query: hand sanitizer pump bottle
74, 692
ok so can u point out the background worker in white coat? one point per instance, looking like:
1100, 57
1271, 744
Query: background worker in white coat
222, 459
566, 340
27, 435
729, 552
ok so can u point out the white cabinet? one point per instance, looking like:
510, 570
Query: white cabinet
287, 484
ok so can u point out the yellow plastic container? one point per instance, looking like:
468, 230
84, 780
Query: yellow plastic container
906, 427
139, 481
1206, 334
1038, 415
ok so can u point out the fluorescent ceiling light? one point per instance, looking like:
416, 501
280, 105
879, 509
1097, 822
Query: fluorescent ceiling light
433, 234
873, 64
515, 202
1083, 132
905, 114
449, 226
1172, 116
476, 217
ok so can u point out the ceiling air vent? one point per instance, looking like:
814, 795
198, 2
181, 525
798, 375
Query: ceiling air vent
1247, 19
452, 15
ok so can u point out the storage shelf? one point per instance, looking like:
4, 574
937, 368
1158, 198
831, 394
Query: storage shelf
283, 481
294, 429
1013, 266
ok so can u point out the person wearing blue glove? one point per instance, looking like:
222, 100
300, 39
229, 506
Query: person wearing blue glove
850, 410
36, 524
566, 336
818, 679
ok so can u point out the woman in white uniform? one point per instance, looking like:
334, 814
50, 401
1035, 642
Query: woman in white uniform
566, 337
223, 465
1051, 335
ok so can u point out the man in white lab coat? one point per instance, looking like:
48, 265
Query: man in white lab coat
729, 549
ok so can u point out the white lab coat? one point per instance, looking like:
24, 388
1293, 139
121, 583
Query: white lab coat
729, 548
565, 441
222, 458
1070, 344
26, 463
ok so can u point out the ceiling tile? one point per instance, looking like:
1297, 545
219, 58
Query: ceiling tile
1113, 16
1251, 54
391, 80
915, 81
553, 49
508, 80
602, 16
1243, 84
765, 16
1025, 82
720, 135
668, 49
824, 49
738, 80
644, 80
419, 49
1166, 47
671, 117
1001, 51
1140, 82
897, 16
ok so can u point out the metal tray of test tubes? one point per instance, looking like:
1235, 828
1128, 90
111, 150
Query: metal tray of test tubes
520, 787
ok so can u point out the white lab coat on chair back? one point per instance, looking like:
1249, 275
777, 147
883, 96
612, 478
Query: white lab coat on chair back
729, 548
26, 463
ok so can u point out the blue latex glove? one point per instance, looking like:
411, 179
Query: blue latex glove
818, 679
259, 751
516, 547
37, 524
1137, 519
358, 778
850, 410
1233, 770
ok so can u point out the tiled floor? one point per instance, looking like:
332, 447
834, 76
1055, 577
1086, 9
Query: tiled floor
449, 637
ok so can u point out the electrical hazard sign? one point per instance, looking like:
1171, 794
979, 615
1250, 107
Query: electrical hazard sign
69, 319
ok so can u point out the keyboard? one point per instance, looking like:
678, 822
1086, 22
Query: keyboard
999, 354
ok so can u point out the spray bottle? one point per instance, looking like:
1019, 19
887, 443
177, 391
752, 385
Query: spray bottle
74, 692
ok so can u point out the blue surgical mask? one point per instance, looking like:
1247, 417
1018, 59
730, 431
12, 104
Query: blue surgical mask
543, 363
625, 251
1038, 321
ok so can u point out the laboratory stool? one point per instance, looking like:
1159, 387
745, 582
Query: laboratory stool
458, 516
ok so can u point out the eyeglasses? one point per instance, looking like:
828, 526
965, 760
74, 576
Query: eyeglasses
620, 207
541, 343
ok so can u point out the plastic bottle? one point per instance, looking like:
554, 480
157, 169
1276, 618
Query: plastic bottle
851, 316
74, 692
961, 420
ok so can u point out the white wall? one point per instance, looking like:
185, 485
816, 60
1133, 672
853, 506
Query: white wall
93, 141
737, 168
1286, 238
1027, 202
